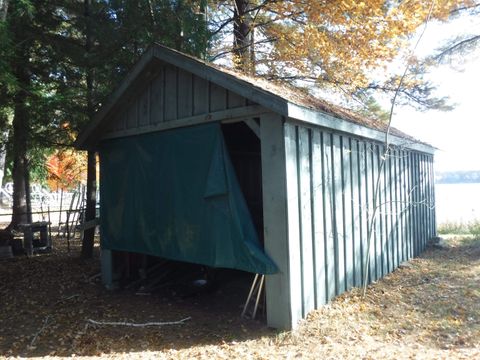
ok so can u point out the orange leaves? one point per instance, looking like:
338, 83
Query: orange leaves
66, 168
342, 41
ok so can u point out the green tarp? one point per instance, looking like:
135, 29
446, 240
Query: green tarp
174, 194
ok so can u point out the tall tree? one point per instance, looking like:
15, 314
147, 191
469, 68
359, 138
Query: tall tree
3, 9
89, 234
335, 45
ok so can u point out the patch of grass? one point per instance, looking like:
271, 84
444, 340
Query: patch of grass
470, 241
474, 228
460, 228
452, 227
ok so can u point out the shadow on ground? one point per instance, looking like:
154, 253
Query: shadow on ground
48, 299
429, 307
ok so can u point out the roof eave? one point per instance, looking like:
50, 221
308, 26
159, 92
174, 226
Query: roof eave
326, 120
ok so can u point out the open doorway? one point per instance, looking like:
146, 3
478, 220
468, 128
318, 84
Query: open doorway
185, 278
243, 146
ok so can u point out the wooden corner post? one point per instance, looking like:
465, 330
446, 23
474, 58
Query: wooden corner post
279, 313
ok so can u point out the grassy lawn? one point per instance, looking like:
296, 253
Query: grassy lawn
429, 309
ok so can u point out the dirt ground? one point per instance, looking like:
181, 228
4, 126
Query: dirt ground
429, 309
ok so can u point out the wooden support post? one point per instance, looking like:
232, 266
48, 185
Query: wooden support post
106, 259
279, 312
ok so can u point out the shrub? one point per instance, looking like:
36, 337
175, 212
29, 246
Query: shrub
452, 227
474, 228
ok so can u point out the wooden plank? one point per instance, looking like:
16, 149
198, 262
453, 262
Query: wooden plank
200, 96
348, 214
376, 236
294, 235
395, 208
392, 235
414, 189
185, 94
132, 115
144, 108
157, 99
218, 97
338, 213
275, 221
171, 93
401, 207
434, 217
429, 195
106, 261
410, 200
305, 203
225, 116
421, 228
427, 199
388, 248
121, 122
329, 219
432, 197
405, 205
380, 238
371, 212
421, 207
357, 213
318, 212
234, 100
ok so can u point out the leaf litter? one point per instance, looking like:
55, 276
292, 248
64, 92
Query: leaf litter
429, 309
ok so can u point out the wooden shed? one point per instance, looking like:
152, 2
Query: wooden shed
301, 173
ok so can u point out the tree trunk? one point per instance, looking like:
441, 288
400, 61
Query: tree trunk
242, 38
20, 167
90, 212
89, 234
3, 9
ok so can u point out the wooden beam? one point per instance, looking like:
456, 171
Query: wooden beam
225, 115
252, 124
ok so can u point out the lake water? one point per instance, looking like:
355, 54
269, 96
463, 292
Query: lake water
457, 202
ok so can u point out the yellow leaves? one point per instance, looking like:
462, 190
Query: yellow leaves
344, 40
66, 169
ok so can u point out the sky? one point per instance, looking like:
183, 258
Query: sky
456, 133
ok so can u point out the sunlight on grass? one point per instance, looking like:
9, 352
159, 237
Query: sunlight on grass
460, 228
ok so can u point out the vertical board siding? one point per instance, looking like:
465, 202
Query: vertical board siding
132, 115
144, 108
329, 210
293, 215
185, 94
157, 90
172, 95
218, 98
332, 181
339, 242
318, 216
347, 214
201, 96
305, 218
357, 211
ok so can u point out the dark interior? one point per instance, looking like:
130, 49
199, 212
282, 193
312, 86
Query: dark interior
244, 148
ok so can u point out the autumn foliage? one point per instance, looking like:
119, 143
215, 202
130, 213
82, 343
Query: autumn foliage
335, 43
66, 169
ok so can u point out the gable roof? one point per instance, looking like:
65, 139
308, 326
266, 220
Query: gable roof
282, 99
